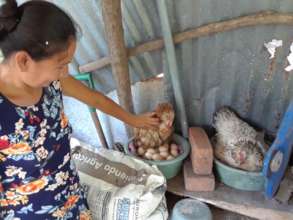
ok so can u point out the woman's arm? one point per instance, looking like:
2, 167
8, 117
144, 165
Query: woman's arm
74, 88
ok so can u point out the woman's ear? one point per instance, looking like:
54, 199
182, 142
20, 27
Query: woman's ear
23, 61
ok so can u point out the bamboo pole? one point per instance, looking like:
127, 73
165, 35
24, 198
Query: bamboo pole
99, 128
260, 18
87, 78
111, 10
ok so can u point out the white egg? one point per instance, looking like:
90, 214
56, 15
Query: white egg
148, 156
157, 157
174, 146
170, 157
143, 139
164, 154
151, 150
174, 152
140, 151
163, 148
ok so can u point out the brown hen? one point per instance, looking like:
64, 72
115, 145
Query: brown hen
153, 138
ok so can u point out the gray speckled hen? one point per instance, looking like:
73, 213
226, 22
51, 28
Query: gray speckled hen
237, 143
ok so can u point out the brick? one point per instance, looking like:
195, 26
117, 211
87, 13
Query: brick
201, 151
197, 183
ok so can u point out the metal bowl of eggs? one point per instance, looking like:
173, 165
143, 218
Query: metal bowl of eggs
168, 157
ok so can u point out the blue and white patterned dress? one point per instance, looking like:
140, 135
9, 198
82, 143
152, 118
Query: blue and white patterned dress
37, 178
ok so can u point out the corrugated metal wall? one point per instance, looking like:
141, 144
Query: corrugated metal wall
231, 68
139, 25
234, 68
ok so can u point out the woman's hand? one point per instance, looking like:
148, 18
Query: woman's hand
146, 120
74, 88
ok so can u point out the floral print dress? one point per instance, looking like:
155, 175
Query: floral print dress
38, 181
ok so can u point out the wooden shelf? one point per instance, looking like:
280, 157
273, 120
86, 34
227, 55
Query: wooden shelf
252, 204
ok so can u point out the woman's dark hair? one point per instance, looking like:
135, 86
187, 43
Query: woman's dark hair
38, 27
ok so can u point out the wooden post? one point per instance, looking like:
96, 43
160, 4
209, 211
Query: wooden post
111, 10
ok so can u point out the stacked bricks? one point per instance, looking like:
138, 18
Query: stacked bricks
198, 173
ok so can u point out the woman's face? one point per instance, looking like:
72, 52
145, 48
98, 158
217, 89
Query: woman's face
38, 74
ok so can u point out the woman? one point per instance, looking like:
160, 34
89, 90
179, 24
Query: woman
37, 179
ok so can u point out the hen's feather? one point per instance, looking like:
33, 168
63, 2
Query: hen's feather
237, 142
151, 138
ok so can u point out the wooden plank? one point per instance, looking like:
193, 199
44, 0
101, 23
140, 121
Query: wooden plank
220, 214
98, 64
111, 10
260, 18
251, 204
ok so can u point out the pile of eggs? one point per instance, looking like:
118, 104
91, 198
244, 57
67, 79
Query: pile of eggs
163, 152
